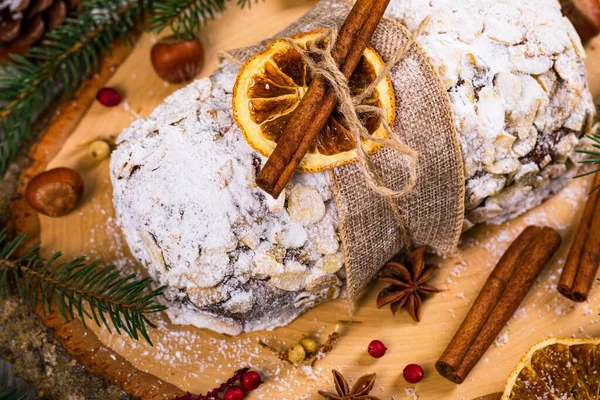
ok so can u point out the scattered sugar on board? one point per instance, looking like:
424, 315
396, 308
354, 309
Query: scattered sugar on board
502, 339
241, 352
412, 393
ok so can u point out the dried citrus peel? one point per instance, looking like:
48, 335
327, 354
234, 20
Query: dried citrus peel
555, 368
270, 86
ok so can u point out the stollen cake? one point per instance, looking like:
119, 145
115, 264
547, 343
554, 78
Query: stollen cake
234, 259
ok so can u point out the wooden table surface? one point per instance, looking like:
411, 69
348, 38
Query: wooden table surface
194, 359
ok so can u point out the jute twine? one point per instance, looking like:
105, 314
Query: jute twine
427, 191
350, 106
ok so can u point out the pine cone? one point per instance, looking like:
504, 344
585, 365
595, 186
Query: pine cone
24, 22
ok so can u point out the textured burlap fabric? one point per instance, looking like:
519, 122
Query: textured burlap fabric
433, 212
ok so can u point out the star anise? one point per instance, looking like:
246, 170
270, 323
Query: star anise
360, 390
408, 284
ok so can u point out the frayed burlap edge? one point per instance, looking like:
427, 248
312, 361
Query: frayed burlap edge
445, 246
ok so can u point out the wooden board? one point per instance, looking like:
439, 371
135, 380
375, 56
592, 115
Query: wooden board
195, 360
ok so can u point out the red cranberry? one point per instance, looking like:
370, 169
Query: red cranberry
234, 393
377, 349
109, 97
251, 380
413, 373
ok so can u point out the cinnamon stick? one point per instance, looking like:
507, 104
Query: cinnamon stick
579, 273
526, 258
484, 304
319, 101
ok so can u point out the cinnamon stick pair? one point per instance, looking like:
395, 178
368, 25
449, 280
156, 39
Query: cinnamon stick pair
319, 101
579, 272
503, 292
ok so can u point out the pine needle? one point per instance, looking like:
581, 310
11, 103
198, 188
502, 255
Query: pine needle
79, 290
593, 156
68, 54
72, 52
11, 394
186, 17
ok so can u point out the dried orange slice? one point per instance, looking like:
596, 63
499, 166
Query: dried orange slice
270, 86
557, 369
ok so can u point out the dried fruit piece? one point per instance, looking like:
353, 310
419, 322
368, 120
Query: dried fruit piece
55, 192
325, 238
251, 380
413, 373
292, 236
276, 205
240, 302
557, 369
527, 58
270, 86
376, 349
225, 174
210, 268
233, 393
108, 97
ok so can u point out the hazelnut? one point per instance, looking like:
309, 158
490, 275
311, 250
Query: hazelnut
177, 60
55, 192
99, 149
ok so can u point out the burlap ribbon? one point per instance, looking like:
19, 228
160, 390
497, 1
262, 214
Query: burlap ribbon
433, 211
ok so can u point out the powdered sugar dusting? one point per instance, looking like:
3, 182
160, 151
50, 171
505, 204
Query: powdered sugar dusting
236, 261
186, 199
516, 80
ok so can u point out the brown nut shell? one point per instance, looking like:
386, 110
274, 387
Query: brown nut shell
176, 60
55, 192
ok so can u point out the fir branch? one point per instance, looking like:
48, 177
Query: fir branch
186, 17
11, 394
594, 155
69, 53
75, 287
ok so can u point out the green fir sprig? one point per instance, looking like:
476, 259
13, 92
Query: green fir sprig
186, 17
79, 290
72, 52
594, 155
69, 53
11, 394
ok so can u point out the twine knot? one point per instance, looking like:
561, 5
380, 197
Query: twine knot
351, 106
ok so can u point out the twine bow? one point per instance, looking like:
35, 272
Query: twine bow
350, 106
